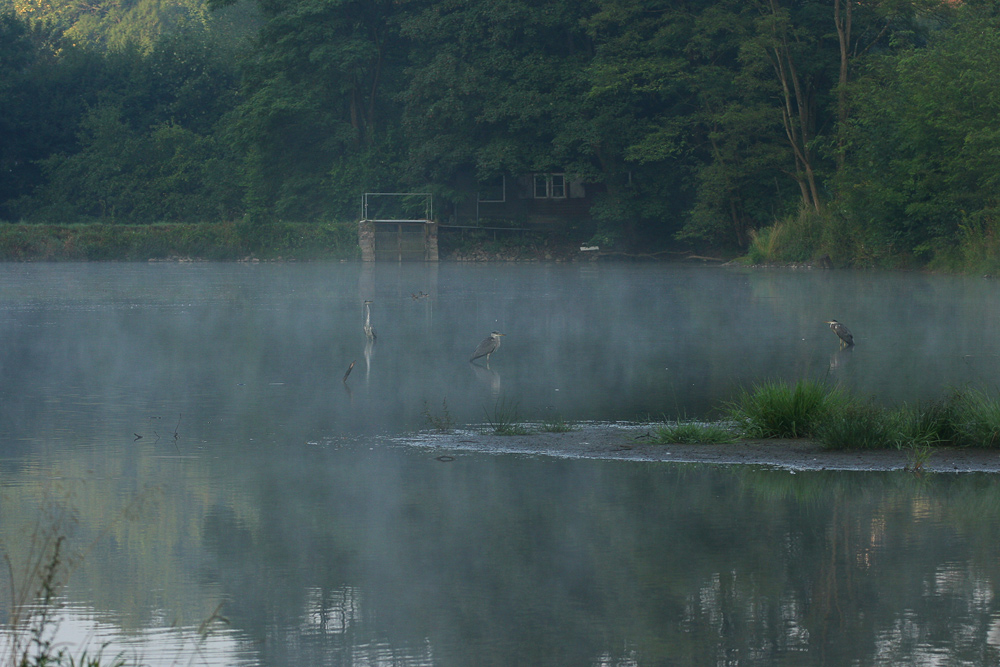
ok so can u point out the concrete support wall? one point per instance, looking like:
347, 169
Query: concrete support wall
366, 239
431, 242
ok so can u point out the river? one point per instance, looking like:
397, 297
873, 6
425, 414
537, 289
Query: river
228, 498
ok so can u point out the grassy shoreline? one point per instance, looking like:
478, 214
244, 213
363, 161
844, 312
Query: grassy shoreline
214, 241
824, 414
838, 420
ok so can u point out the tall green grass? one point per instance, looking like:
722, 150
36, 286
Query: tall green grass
857, 424
504, 419
777, 409
974, 418
693, 433
967, 417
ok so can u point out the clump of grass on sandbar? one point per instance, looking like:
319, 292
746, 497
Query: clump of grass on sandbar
558, 425
968, 417
780, 410
858, 424
504, 419
693, 433
974, 418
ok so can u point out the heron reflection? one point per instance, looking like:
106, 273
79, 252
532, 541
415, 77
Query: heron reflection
369, 344
489, 345
369, 331
487, 376
841, 357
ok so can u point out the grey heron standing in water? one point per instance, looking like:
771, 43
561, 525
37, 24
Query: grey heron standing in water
369, 331
845, 335
489, 345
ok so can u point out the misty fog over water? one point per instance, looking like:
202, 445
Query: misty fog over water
265, 347
191, 425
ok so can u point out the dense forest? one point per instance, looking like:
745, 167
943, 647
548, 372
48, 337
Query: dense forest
786, 130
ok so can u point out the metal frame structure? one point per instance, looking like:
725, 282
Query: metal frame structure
428, 206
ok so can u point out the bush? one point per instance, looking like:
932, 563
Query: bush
208, 241
974, 418
693, 433
863, 425
780, 410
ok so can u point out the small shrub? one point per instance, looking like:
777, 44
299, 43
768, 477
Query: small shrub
693, 433
443, 422
780, 410
861, 425
919, 456
504, 419
928, 425
975, 418
978, 246
764, 244
556, 426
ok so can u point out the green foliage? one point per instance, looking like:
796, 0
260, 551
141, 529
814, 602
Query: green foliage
443, 422
693, 433
556, 426
968, 417
211, 241
777, 409
974, 418
108, 25
857, 424
711, 123
927, 425
923, 170
810, 235
124, 175
977, 247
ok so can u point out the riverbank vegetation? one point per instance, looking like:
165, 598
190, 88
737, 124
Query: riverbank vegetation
178, 241
856, 134
837, 419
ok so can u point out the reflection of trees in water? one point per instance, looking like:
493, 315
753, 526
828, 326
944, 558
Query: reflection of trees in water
893, 574
340, 553
582, 560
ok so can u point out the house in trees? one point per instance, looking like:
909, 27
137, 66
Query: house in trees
529, 201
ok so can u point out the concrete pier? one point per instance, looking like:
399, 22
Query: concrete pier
398, 240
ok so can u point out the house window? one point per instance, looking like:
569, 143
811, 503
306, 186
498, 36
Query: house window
550, 186
557, 187
541, 186
494, 190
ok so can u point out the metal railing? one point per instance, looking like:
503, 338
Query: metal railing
368, 203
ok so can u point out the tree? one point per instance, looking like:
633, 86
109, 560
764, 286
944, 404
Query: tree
16, 55
924, 150
495, 87
318, 105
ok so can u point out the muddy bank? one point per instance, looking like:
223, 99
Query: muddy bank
632, 443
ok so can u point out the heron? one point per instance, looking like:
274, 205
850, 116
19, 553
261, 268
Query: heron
845, 335
489, 345
369, 331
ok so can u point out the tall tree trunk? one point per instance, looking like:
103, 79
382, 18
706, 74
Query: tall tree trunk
796, 113
842, 19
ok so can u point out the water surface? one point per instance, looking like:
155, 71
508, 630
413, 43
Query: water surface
187, 427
